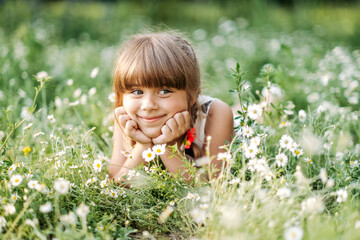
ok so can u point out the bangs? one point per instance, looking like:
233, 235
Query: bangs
152, 65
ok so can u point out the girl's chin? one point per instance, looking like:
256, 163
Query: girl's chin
152, 133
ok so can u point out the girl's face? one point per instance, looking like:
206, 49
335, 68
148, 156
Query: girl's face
150, 108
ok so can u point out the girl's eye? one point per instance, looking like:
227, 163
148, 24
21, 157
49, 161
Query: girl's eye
137, 92
164, 91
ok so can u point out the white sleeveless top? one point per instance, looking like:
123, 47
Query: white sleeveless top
205, 102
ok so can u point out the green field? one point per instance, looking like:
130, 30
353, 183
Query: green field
294, 168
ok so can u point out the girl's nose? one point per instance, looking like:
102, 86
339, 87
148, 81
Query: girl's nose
149, 103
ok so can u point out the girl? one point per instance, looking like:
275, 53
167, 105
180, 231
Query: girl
158, 101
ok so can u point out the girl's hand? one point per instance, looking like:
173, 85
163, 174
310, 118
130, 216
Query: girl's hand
130, 127
174, 128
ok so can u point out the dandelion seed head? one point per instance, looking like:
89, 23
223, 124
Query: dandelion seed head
9, 209
69, 218
312, 205
94, 72
62, 186
342, 195
293, 233
283, 193
46, 208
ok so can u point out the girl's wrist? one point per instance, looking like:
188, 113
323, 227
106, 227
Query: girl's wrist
177, 141
144, 145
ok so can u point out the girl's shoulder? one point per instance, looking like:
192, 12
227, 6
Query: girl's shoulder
214, 106
220, 109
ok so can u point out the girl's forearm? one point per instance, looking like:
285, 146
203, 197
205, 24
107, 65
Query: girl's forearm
134, 160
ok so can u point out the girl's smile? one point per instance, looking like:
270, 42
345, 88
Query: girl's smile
150, 108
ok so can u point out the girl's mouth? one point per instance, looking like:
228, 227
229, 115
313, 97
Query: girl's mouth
151, 119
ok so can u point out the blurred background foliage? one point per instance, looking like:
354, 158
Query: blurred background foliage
69, 38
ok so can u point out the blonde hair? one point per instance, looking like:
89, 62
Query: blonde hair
158, 60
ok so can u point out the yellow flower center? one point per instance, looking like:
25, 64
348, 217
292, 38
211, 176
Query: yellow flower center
158, 150
297, 152
98, 165
149, 155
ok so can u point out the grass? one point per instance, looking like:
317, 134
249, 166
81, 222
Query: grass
299, 60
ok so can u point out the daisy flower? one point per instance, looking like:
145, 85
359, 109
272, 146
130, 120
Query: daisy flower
308, 160
97, 165
255, 141
12, 168
247, 131
159, 149
286, 142
297, 152
250, 151
302, 116
38, 134
14, 197
252, 164
189, 196
112, 97
254, 111
41, 76
103, 183
148, 155
16, 180
91, 180
196, 197
225, 156
28, 126
113, 193
51, 118
281, 160
32, 184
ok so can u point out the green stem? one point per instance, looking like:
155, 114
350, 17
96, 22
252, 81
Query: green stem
32, 109
26, 205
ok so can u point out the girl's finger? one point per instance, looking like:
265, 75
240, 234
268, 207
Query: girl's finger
123, 119
130, 127
187, 118
171, 125
179, 118
166, 130
119, 110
